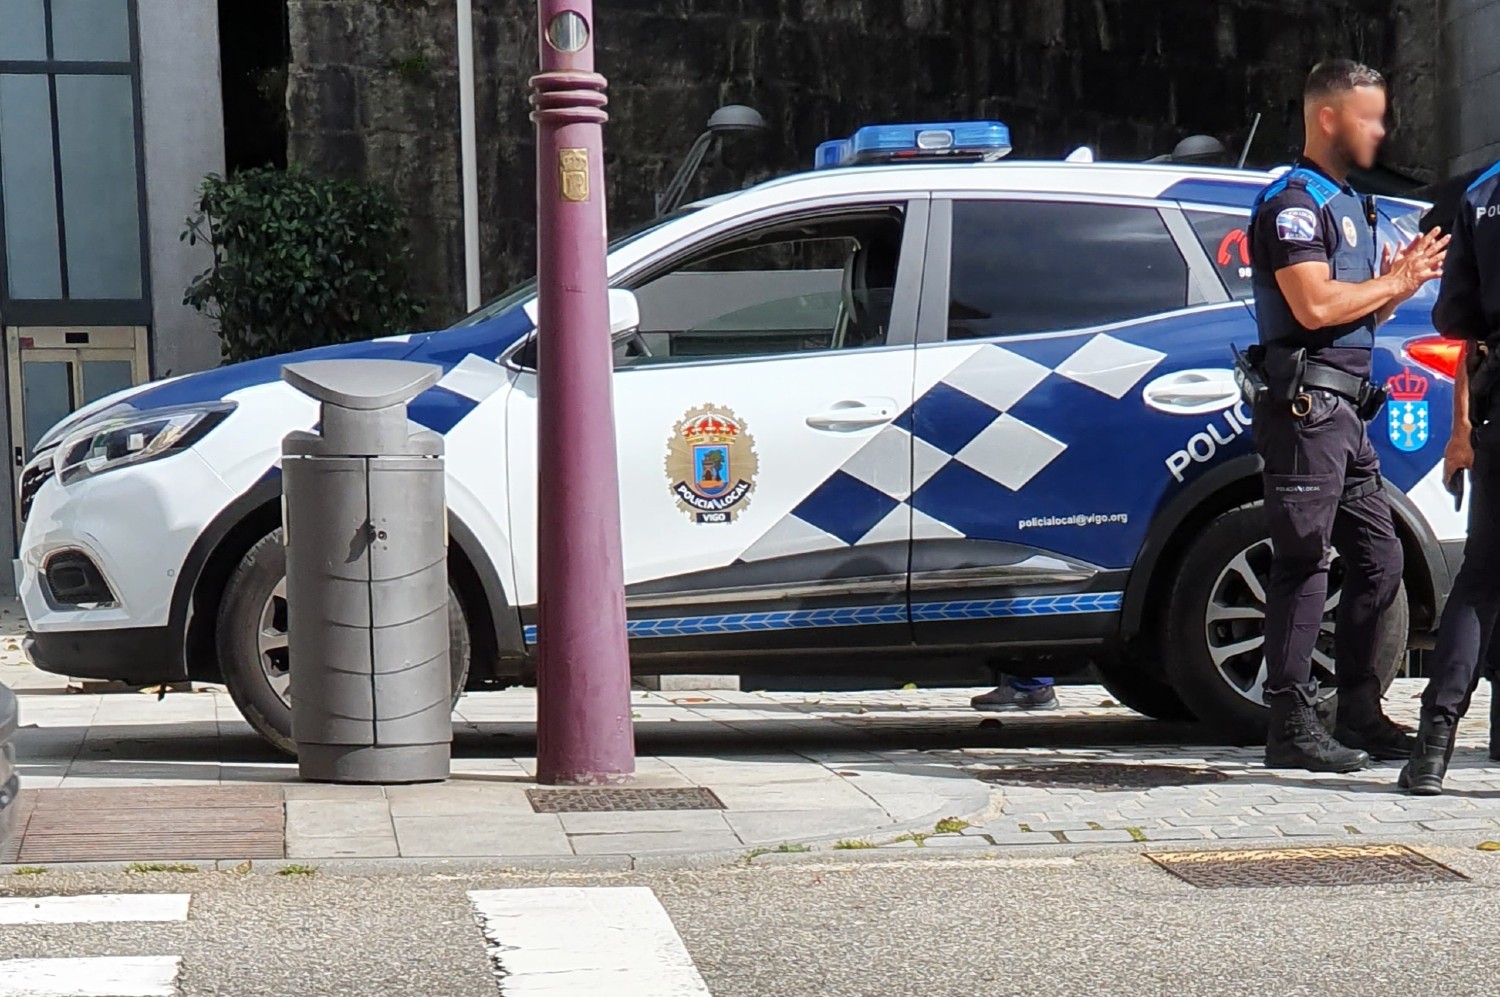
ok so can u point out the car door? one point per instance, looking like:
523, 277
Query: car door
763, 481
1038, 460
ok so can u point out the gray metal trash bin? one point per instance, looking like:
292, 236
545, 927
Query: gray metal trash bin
365, 528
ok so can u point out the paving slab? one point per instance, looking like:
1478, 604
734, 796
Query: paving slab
499, 837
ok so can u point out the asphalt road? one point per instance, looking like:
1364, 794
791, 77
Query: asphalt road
1095, 923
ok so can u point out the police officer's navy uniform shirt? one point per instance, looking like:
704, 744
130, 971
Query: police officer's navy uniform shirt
1467, 306
1308, 217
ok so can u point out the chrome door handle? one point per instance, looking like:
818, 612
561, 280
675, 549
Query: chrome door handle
1192, 392
854, 414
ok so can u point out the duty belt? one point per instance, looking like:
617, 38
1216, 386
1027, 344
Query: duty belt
1339, 382
1366, 396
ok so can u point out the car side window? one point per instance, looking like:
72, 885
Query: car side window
1042, 266
816, 284
1225, 238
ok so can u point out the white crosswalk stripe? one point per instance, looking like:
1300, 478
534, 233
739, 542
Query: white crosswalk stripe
103, 908
117, 976
114, 976
585, 941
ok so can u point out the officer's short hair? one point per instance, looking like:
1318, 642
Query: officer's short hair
1339, 76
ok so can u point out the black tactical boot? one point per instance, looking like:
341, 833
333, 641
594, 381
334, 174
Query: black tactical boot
1363, 724
1298, 740
1423, 774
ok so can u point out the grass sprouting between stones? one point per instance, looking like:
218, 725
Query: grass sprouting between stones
31, 870
785, 848
297, 870
142, 867
849, 844
951, 825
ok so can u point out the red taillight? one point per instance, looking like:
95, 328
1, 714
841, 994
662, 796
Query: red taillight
1437, 354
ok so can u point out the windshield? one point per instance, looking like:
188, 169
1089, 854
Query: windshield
523, 292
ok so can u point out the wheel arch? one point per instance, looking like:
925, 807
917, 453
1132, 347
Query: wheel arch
1238, 481
495, 626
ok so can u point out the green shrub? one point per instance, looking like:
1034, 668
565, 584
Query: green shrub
299, 261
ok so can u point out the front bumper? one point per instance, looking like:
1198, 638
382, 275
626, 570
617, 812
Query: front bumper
131, 531
146, 656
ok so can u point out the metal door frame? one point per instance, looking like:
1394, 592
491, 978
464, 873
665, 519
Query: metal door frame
73, 346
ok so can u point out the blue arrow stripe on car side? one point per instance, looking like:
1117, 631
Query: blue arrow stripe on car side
797, 619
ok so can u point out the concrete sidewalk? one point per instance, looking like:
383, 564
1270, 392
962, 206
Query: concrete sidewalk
119, 775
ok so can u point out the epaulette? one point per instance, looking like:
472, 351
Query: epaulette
1488, 174
1318, 187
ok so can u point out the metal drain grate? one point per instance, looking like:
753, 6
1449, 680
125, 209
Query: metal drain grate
1101, 776
616, 799
1354, 865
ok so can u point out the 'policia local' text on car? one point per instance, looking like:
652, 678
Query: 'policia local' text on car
916, 408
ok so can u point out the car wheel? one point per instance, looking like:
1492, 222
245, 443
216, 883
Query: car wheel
1129, 682
1215, 627
252, 642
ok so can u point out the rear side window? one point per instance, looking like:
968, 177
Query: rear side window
1226, 240
1038, 266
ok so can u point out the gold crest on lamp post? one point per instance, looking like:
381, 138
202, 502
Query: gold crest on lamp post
711, 464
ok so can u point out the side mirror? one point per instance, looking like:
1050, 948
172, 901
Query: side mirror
624, 313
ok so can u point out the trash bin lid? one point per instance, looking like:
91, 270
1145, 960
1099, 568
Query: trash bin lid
361, 384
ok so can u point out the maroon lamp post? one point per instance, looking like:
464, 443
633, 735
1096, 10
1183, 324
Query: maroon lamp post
584, 733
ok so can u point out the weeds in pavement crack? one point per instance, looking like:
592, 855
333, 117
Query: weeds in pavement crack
140, 867
951, 825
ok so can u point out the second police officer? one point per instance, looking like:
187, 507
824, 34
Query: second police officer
1468, 309
1320, 292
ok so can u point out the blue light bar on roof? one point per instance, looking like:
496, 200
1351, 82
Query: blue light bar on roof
958, 140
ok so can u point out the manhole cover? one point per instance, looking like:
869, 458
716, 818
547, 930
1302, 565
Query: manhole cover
587, 801
1103, 776
1354, 865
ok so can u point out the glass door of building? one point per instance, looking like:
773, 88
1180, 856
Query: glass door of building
52, 371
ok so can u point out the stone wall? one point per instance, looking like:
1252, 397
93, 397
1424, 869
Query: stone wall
1469, 83
373, 89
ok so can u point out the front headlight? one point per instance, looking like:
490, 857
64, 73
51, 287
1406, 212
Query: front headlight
133, 439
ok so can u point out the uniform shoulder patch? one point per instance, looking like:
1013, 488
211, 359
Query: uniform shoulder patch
1297, 225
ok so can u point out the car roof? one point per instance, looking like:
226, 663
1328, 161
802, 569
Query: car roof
1209, 185
1205, 185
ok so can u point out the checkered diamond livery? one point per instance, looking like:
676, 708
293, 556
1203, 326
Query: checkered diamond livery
966, 446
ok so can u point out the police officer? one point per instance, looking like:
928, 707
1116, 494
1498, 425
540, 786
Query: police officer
1468, 308
1319, 300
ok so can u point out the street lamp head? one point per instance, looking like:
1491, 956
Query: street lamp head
736, 118
731, 119
1200, 149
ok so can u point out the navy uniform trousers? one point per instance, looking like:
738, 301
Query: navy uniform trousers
1322, 488
1469, 616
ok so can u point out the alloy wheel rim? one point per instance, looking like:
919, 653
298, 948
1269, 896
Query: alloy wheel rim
271, 643
1234, 624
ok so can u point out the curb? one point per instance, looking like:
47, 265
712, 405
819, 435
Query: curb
1054, 855
961, 808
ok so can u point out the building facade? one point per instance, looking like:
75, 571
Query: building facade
110, 116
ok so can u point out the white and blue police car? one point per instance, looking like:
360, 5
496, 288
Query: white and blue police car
916, 408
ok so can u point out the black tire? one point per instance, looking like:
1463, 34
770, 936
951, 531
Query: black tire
1214, 569
1130, 682
246, 596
